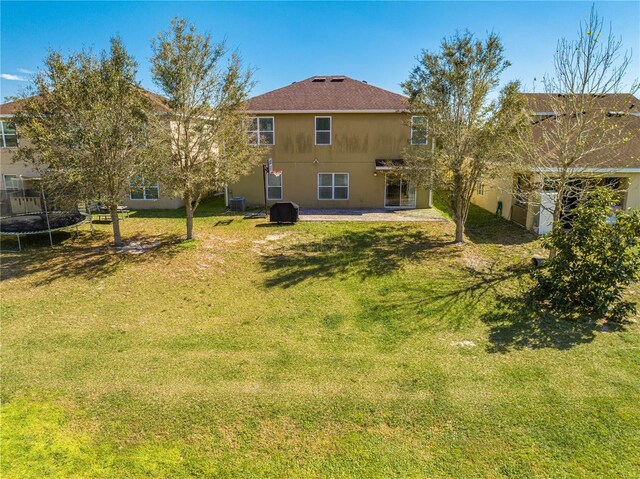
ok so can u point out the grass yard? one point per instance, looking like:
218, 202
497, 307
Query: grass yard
332, 350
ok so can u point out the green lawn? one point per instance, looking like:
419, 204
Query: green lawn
316, 350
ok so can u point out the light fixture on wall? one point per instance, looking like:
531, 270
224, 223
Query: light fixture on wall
375, 173
315, 161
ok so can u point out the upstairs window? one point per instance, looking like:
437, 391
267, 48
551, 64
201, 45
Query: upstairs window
261, 131
323, 130
333, 186
142, 188
9, 134
418, 130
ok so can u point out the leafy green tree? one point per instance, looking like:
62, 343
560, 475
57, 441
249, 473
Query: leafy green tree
594, 263
207, 144
466, 129
86, 127
580, 136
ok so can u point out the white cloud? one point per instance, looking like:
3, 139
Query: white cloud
25, 71
10, 77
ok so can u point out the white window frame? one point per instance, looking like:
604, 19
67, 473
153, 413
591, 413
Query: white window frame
316, 131
258, 131
3, 141
333, 186
15, 178
426, 137
144, 187
281, 186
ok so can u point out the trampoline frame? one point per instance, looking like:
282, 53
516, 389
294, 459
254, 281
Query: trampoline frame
87, 219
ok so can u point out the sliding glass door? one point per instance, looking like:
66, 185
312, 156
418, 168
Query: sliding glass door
398, 192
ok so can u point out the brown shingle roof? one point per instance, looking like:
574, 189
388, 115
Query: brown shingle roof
159, 104
625, 154
542, 102
327, 93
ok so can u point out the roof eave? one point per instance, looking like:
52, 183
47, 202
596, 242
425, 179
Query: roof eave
265, 112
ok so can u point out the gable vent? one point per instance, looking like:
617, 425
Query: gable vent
318, 79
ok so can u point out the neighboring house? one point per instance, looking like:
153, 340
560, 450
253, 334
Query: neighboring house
20, 193
523, 197
338, 143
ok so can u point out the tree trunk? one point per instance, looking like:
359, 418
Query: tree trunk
459, 207
459, 229
188, 200
115, 221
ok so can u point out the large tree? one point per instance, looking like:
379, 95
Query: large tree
86, 126
206, 89
452, 91
580, 129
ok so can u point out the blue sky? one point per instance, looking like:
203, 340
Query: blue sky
288, 41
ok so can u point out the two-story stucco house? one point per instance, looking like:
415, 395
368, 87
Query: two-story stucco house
337, 142
524, 198
20, 192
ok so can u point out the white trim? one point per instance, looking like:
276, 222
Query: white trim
257, 131
3, 140
333, 186
315, 131
144, 190
321, 112
588, 170
6, 186
266, 179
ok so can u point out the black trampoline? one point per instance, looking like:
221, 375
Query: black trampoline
40, 223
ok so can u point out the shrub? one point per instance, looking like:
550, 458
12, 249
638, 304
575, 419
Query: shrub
595, 261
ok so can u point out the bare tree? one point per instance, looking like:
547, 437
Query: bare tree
86, 127
207, 141
450, 91
581, 126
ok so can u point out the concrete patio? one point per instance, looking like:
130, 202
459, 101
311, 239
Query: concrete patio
373, 215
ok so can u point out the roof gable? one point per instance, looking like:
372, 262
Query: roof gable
327, 94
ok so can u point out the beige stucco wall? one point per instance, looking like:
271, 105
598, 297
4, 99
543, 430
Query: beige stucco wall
358, 139
162, 203
633, 193
500, 189
9, 167
495, 190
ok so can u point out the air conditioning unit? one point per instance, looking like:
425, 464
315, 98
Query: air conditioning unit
237, 203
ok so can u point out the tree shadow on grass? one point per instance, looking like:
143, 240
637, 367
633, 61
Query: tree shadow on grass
483, 226
47, 265
361, 253
446, 301
519, 322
